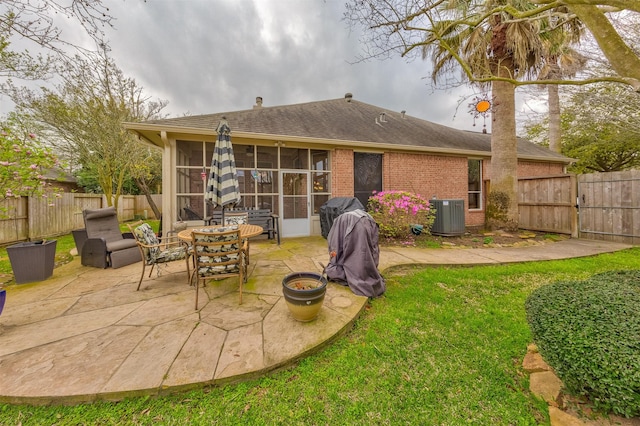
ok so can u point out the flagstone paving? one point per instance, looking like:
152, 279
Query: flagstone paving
86, 334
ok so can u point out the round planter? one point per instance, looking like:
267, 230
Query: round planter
304, 293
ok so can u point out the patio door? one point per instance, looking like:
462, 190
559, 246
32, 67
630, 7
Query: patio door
296, 204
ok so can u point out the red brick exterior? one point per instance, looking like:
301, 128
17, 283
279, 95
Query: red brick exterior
427, 175
530, 168
342, 173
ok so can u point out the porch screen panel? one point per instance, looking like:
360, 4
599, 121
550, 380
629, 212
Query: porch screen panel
367, 175
190, 186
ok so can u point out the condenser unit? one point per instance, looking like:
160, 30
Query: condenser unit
449, 217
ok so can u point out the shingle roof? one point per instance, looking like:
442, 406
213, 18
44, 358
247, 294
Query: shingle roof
342, 120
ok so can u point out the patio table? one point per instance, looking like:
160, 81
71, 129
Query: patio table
246, 231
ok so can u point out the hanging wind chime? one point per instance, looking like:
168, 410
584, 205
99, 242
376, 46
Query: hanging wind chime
480, 107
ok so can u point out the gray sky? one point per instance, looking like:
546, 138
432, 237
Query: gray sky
207, 56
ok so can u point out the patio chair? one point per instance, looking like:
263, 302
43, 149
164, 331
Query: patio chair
238, 218
155, 251
190, 214
106, 246
218, 254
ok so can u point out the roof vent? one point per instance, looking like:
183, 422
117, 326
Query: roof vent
402, 113
348, 97
258, 102
383, 117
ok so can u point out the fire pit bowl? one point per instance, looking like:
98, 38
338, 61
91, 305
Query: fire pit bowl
304, 293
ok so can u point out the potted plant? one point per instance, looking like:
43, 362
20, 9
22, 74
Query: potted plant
23, 163
304, 293
3, 298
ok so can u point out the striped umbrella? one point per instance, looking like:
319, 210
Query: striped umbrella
222, 186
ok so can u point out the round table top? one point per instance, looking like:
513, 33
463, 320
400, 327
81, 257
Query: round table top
246, 231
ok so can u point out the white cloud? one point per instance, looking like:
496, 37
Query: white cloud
207, 56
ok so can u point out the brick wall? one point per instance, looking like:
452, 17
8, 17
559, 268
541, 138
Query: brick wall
342, 173
531, 168
427, 175
527, 169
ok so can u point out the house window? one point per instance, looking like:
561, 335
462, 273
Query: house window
475, 184
320, 179
367, 175
258, 171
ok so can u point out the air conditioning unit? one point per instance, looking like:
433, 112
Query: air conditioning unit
449, 217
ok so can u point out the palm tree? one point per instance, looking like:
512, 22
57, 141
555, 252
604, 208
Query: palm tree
561, 61
499, 47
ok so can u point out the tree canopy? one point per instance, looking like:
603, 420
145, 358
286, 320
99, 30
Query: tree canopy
83, 118
407, 27
36, 23
600, 128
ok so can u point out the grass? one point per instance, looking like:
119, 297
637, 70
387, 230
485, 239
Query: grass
443, 346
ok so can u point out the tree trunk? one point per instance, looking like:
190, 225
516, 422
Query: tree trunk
142, 184
620, 56
555, 143
502, 200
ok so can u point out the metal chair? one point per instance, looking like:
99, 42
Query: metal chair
190, 214
219, 254
237, 218
155, 251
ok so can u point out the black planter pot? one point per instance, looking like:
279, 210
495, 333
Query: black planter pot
32, 260
304, 293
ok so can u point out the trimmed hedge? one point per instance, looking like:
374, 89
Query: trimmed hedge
589, 333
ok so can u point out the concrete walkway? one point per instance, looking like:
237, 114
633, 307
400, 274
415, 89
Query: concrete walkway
86, 334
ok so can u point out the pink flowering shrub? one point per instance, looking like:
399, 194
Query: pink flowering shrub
23, 162
396, 211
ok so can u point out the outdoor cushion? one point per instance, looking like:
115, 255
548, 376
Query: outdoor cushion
103, 223
121, 244
145, 235
217, 252
170, 254
241, 219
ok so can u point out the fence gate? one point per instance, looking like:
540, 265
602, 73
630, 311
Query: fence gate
609, 206
548, 204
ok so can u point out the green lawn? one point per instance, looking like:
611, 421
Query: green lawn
443, 346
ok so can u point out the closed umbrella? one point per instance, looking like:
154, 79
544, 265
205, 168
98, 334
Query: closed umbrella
222, 187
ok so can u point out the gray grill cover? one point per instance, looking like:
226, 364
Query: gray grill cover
333, 208
354, 239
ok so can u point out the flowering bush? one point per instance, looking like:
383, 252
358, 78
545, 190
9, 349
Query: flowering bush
23, 162
396, 211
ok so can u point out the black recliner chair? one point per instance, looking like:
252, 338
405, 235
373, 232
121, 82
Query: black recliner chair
106, 246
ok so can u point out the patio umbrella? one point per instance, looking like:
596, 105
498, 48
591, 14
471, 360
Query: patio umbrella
222, 186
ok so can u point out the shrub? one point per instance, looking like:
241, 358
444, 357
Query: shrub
589, 333
395, 211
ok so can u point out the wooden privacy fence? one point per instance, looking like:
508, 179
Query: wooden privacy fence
548, 204
610, 206
32, 218
599, 206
